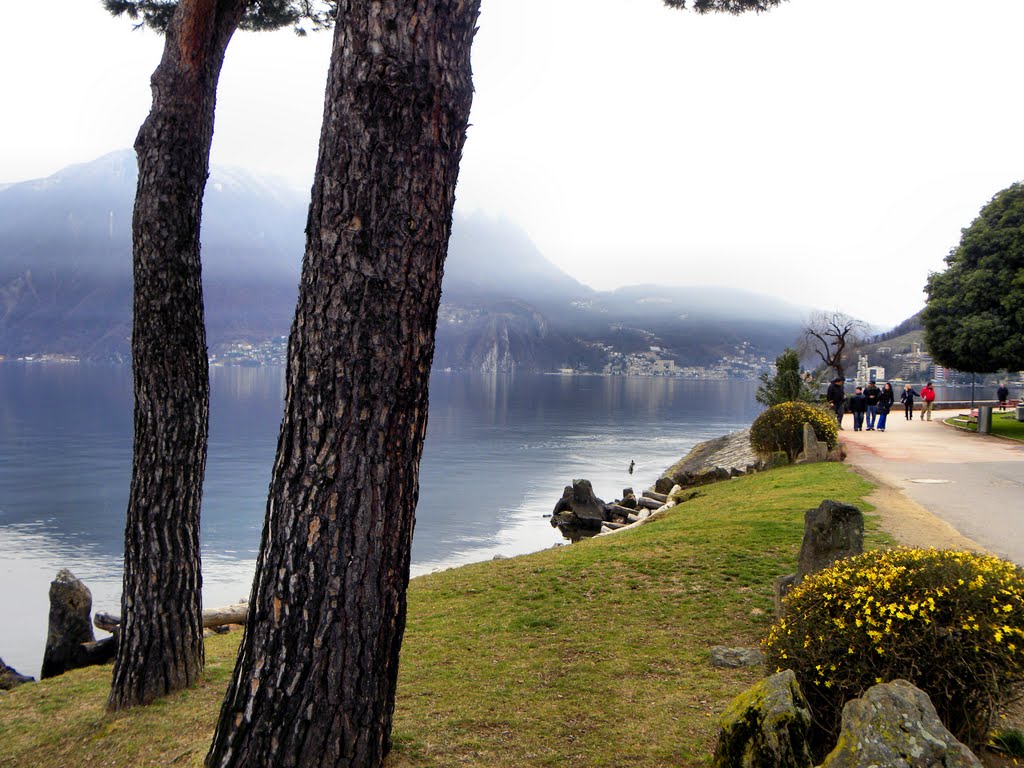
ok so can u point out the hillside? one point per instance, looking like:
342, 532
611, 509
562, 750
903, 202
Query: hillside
595, 654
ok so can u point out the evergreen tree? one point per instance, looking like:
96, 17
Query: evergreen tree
317, 667
974, 317
160, 640
787, 384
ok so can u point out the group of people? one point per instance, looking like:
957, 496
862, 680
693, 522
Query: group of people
872, 403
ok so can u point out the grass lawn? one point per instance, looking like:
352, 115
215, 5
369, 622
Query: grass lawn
1004, 424
594, 654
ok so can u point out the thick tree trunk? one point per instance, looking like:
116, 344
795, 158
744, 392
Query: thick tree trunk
316, 673
161, 638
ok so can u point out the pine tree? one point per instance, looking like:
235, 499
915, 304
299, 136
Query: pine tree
160, 640
317, 668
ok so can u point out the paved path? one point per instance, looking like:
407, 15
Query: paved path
973, 482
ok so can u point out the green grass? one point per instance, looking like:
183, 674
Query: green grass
594, 654
1004, 424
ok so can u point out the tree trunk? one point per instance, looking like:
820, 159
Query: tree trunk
317, 667
161, 638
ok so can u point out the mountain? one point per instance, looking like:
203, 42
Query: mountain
65, 258
65, 284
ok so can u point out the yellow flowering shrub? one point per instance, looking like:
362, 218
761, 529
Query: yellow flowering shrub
950, 622
781, 428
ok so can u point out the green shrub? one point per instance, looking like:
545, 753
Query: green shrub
952, 623
781, 428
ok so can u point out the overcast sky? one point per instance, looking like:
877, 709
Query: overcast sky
828, 152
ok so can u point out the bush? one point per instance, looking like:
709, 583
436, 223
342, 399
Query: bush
781, 428
952, 623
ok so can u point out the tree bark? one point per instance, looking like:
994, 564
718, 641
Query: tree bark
161, 638
317, 667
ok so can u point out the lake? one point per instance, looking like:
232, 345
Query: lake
499, 450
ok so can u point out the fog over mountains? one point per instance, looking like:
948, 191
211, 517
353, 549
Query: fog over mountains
65, 283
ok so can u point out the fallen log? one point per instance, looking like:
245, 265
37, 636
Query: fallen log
212, 617
617, 509
660, 497
647, 503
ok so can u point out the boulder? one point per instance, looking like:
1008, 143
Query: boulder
664, 484
814, 451
10, 678
766, 726
70, 625
628, 498
721, 656
895, 724
831, 532
579, 510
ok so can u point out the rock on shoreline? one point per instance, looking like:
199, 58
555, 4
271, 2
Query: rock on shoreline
711, 461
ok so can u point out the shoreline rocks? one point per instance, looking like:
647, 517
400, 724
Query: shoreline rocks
712, 461
10, 678
577, 513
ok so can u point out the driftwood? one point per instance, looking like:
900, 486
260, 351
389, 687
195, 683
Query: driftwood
661, 498
646, 503
212, 617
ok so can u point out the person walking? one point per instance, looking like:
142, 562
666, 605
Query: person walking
871, 395
836, 397
1002, 395
907, 398
858, 406
928, 397
885, 401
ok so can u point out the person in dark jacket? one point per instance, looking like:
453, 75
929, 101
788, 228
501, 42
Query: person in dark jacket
885, 401
907, 398
872, 393
1002, 395
858, 406
836, 397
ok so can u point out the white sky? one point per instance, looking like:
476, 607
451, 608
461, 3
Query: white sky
828, 152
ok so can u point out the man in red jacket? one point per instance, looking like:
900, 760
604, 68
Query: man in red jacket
928, 396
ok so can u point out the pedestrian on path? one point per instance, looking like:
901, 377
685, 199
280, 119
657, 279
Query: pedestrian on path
836, 397
1002, 395
858, 406
871, 394
885, 401
928, 396
907, 398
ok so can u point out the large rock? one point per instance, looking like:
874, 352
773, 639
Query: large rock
831, 532
70, 625
814, 451
712, 461
11, 678
766, 726
895, 724
579, 510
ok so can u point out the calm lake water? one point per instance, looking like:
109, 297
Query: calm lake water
499, 451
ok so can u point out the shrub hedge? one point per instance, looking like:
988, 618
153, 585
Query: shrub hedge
950, 622
781, 428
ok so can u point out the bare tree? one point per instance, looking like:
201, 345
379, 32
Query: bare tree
834, 337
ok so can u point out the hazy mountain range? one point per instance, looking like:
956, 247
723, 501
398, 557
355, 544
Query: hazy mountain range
65, 283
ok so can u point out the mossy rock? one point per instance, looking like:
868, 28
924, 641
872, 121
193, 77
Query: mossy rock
766, 726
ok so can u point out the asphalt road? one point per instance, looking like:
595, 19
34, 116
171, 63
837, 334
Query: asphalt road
973, 482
